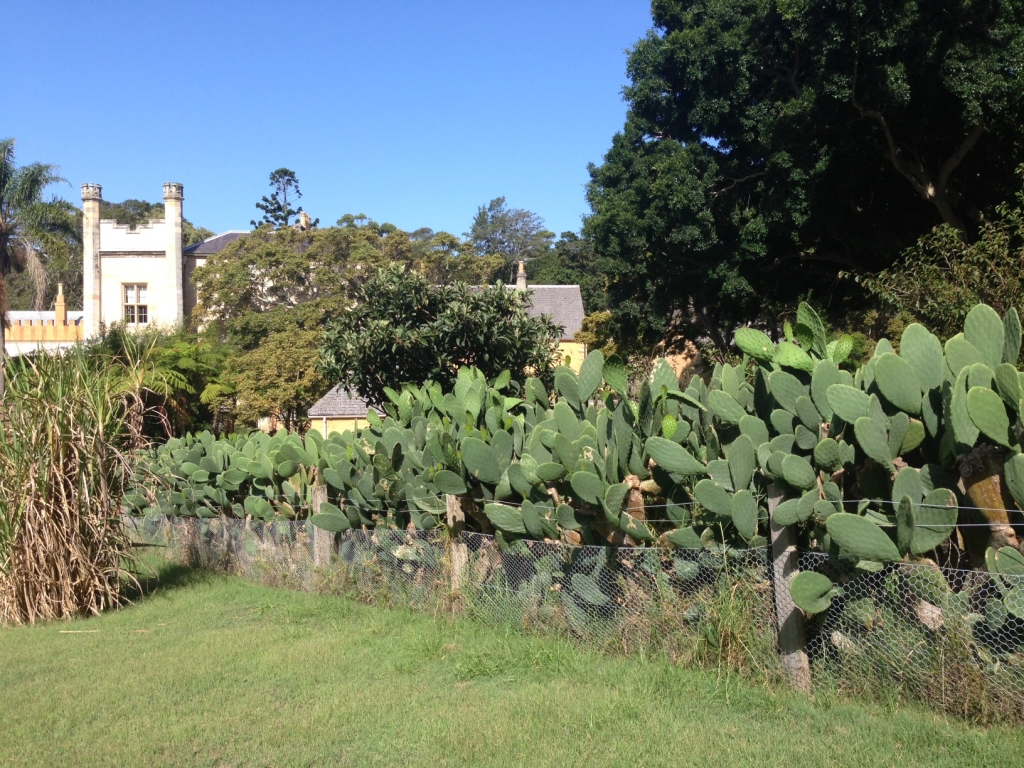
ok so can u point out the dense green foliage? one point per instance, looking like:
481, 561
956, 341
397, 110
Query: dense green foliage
514, 234
769, 146
858, 462
402, 329
944, 275
28, 226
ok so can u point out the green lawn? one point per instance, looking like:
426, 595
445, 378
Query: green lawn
213, 671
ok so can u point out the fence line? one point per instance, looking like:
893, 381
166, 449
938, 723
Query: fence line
951, 638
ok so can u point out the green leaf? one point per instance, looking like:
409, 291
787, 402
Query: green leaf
755, 343
713, 497
591, 373
988, 413
615, 374
744, 514
685, 538
588, 487
812, 592
861, 538
448, 482
672, 457
505, 518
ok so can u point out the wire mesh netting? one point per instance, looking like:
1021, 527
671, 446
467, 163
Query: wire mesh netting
692, 604
951, 638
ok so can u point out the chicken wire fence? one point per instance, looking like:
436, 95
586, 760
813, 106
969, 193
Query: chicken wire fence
951, 638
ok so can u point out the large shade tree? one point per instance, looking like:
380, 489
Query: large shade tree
514, 234
27, 221
770, 146
403, 329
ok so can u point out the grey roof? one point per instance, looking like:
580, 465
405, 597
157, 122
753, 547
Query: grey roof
214, 244
562, 303
340, 404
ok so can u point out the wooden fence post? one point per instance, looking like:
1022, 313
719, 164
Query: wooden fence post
459, 550
789, 619
323, 541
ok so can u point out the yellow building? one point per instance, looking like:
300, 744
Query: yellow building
563, 305
339, 411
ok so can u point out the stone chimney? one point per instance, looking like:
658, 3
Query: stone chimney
521, 277
173, 196
92, 194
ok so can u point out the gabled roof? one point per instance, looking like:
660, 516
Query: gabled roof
214, 244
563, 304
340, 404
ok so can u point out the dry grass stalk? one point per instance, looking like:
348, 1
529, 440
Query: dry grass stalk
64, 550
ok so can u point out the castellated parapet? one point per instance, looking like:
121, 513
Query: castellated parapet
92, 192
173, 190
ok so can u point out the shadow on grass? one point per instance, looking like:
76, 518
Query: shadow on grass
151, 574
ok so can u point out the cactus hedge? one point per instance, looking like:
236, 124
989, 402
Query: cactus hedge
876, 466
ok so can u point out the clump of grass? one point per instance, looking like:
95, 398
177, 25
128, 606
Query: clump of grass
65, 423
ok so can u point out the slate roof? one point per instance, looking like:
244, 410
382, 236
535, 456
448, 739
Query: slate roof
340, 404
214, 244
562, 303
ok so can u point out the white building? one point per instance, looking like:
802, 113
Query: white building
138, 276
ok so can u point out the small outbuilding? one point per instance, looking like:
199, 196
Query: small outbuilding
340, 411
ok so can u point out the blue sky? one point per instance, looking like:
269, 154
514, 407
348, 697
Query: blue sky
410, 112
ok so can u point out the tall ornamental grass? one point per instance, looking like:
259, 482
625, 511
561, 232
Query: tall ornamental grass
67, 424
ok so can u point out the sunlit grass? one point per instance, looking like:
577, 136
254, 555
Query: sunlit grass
211, 670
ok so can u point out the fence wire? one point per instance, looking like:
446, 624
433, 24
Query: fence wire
951, 638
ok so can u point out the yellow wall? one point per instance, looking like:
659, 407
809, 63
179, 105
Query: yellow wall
327, 426
575, 351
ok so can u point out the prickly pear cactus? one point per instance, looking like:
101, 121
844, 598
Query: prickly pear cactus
873, 467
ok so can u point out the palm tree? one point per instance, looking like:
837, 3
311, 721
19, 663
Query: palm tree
26, 223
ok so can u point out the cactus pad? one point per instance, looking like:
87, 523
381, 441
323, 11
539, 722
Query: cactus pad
983, 328
898, 383
861, 538
725, 407
849, 403
755, 343
786, 388
672, 457
923, 351
742, 461
811, 592
713, 498
988, 413
588, 487
744, 514
872, 439
960, 354
798, 472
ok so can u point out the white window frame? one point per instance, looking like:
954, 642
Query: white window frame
135, 304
